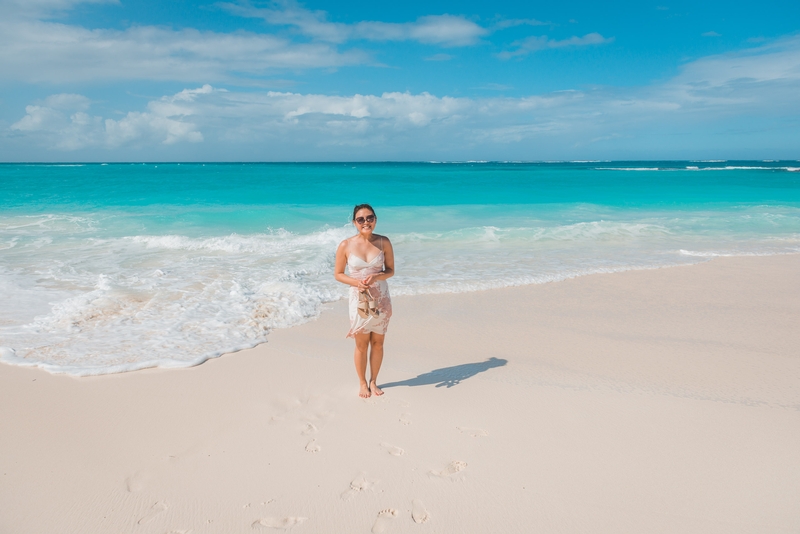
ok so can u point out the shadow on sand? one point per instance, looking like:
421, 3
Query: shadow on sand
449, 376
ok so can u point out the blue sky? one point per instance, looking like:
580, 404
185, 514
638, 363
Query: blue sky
230, 81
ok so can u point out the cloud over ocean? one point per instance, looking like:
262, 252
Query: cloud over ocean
277, 81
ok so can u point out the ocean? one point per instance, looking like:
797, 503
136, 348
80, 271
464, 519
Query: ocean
107, 268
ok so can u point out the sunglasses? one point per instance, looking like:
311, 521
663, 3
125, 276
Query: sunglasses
368, 218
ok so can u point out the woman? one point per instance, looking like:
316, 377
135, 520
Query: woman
369, 259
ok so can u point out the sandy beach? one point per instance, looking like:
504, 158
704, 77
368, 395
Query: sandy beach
649, 401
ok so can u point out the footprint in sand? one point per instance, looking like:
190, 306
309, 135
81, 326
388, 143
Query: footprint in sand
405, 418
137, 481
391, 449
383, 519
418, 512
312, 446
278, 523
474, 432
359, 484
451, 469
152, 513
309, 429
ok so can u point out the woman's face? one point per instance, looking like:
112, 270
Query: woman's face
365, 221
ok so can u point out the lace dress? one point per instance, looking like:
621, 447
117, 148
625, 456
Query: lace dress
360, 269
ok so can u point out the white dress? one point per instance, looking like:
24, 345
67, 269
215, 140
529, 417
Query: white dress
360, 269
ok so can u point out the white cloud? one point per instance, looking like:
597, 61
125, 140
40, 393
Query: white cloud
61, 122
67, 101
779, 60
310, 23
536, 43
710, 34
37, 51
34, 48
138, 127
750, 86
242, 116
444, 30
397, 110
39, 8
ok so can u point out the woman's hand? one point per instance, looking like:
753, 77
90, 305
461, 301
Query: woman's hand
366, 283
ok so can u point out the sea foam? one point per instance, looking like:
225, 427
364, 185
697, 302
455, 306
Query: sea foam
83, 303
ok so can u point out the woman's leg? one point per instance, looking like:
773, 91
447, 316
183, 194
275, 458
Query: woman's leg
375, 361
360, 358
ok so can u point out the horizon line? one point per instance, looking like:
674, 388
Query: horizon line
367, 162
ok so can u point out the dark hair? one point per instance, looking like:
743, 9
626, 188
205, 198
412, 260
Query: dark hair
362, 207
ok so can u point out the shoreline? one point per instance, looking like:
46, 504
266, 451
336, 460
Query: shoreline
7, 357
645, 400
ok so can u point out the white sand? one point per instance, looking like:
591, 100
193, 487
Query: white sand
639, 402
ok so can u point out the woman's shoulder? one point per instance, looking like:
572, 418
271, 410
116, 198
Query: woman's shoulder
345, 244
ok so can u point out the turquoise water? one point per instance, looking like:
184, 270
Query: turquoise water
108, 268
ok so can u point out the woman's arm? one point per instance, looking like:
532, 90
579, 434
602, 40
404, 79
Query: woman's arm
341, 263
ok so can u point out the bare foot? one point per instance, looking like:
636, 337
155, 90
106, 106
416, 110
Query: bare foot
373, 387
364, 392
